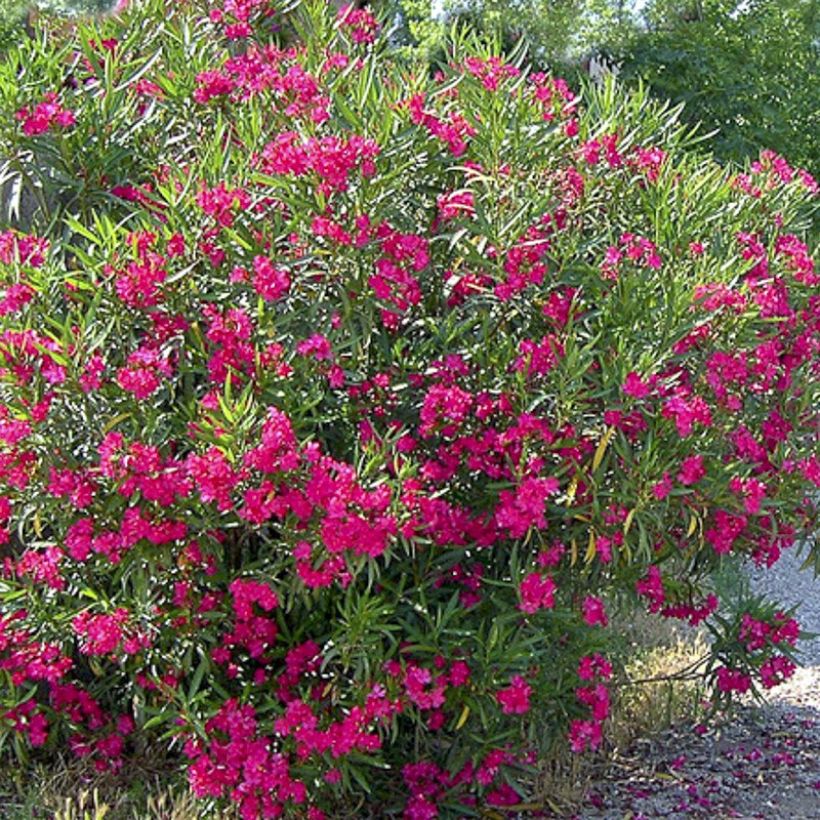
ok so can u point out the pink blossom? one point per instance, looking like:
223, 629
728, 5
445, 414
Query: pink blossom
520, 509
662, 488
45, 115
143, 372
634, 386
691, 470
269, 281
594, 611
537, 592
515, 698
651, 587
585, 734
732, 680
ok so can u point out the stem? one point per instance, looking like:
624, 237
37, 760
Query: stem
687, 673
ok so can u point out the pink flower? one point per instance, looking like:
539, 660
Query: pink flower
594, 611
143, 371
520, 509
648, 161
44, 116
732, 680
776, 670
359, 23
91, 377
634, 386
456, 204
592, 666
537, 592
539, 358
662, 488
454, 132
603, 548
515, 698
246, 593
687, 412
213, 476
138, 283
596, 698
223, 203
728, 528
101, 634
651, 587
270, 282
332, 159
753, 492
692, 470
584, 734
317, 346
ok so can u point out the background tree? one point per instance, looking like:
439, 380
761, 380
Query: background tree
14, 14
746, 69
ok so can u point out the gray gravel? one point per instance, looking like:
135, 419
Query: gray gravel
760, 763
785, 583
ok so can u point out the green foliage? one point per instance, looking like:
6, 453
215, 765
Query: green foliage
12, 15
339, 401
749, 71
556, 32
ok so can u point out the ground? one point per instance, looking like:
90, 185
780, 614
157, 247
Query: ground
760, 762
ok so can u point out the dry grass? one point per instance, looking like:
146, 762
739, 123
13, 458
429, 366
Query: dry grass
72, 790
161, 804
657, 696
649, 700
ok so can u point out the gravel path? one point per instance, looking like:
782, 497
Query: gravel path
785, 583
763, 762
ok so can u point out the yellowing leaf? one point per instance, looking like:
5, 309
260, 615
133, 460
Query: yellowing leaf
465, 713
112, 423
627, 551
602, 445
573, 553
693, 523
571, 490
628, 522
592, 548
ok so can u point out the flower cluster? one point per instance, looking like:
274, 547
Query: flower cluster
766, 641
47, 114
593, 671
342, 407
633, 248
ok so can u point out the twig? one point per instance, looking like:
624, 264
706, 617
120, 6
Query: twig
687, 673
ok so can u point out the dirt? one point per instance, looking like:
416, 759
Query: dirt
761, 762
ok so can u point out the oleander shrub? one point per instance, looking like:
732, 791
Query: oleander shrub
343, 405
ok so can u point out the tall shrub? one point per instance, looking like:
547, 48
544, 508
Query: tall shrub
341, 405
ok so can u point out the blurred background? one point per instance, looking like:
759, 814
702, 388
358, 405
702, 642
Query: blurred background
747, 70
